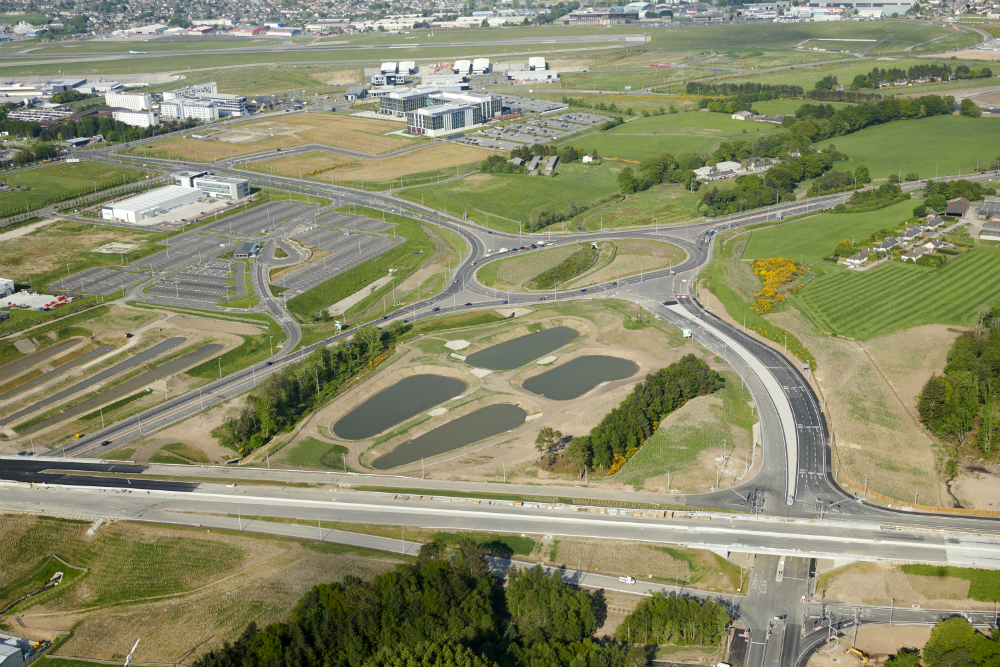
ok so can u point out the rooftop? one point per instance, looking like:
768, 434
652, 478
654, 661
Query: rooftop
153, 198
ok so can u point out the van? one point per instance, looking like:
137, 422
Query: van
626, 580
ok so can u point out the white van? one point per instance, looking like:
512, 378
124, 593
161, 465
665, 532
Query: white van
626, 580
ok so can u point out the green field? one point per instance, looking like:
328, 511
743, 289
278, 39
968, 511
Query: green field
813, 238
675, 449
921, 145
500, 200
688, 132
895, 296
152, 46
58, 180
313, 453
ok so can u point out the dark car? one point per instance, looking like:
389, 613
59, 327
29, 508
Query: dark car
584, 289
386, 317
541, 298
435, 309
614, 283
269, 363
468, 303
505, 302
105, 443
534, 247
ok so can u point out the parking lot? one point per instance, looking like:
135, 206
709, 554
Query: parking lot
256, 221
531, 132
204, 284
100, 280
523, 104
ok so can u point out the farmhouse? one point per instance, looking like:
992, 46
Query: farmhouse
915, 254
742, 115
857, 260
957, 207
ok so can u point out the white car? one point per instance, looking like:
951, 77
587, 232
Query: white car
626, 580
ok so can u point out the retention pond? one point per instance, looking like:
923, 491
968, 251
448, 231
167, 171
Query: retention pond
467, 429
407, 398
516, 352
578, 376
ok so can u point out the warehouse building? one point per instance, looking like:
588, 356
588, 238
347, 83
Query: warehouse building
132, 101
145, 118
150, 204
249, 31
284, 32
154, 29
407, 67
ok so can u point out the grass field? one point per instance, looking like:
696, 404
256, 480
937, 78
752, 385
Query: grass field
688, 132
891, 149
676, 445
984, 585
663, 204
894, 296
517, 270
60, 180
500, 200
813, 238
313, 453
433, 163
632, 258
152, 46
358, 134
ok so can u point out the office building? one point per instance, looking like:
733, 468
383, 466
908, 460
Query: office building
145, 118
131, 101
225, 105
222, 187
246, 250
203, 110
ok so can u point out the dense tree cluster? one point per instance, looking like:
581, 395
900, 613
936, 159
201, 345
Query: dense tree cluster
624, 429
879, 76
820, 122
35, 153
970, 109
832, 181
965, 396
445, 610
282, 398
757, 92
610, 124
670, 619
852, 96
110, 129
496, 164
937, 193
880, 197
954, 642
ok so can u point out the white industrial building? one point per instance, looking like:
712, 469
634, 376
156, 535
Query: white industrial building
200, 97
145, 118
388, 68
480, 65
463, 66
154, 29
131, 101
150, 204
407, 67
223, 187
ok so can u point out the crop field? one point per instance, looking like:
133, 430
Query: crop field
435, 162
501, 200
357, 134
676, 446
518, 270
687, 132
59, 180
632, 258
813, 238
890, 148
891, 297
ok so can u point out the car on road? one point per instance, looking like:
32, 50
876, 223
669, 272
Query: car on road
435, 309
584, 289
105, 443
468, 303
473, 263
542, 298
505, 302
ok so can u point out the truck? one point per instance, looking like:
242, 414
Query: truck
687, 333
626, 580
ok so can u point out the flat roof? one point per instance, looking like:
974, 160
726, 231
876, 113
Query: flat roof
221, 179
442, 109
157, 197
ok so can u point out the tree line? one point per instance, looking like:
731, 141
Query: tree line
820, 122
954, 642
628, 426
89, 126
447, 609
280, 400
757, 92
670, 619
964, 398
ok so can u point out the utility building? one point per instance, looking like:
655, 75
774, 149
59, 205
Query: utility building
150, 204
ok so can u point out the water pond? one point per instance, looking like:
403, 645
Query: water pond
407, 398
519, 351
467, 429
578, 376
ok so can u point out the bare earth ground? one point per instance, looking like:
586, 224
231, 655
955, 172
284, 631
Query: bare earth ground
879, 642
434, 156
874, 433
601, 332
361, 134
880, 583
977, 487
254, 580
47, 247
339, 77
972, 54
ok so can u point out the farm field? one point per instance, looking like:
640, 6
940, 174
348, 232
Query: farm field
356, 134
435, 162
212, 584
688, 132
501, 200
890, 148
810, 239
690, 438
62, 179
892, 297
